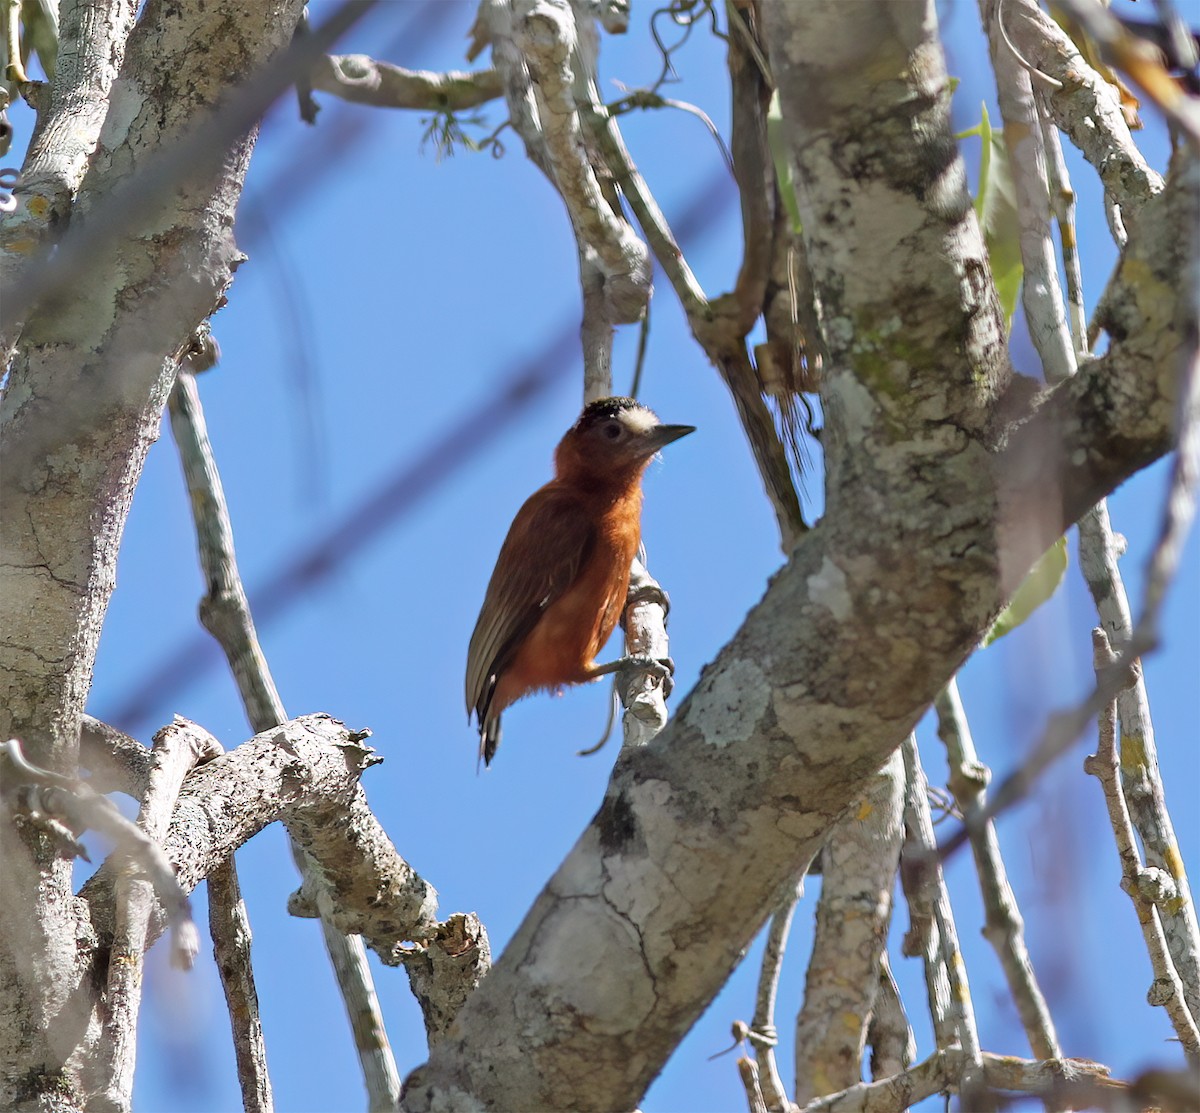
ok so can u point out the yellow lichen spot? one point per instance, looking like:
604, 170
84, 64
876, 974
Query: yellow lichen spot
37, 206
851, 1021
22, 247
864, 810
960, 990
1174, 863
1154, 299
1133, 752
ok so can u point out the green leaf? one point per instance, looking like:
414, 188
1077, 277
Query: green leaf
783, 165
1041, 583
996, 208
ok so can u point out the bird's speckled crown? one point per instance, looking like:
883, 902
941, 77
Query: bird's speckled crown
604, 408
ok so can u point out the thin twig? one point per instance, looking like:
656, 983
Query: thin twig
363, 80
748, 1071
954, 1017
1060, 732
890, 1036
1069, 1083
639, 362
1041, 295
1144, 888
1062, 202
645, 99
762, 1035
229, 926
1145, 794
72, 807
177, 749
1004, 928
226, 614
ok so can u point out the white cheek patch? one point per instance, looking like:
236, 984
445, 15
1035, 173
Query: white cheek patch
639, 421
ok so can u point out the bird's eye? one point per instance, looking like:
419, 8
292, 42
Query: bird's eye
612, 430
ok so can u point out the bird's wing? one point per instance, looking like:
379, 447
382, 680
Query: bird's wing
546, 546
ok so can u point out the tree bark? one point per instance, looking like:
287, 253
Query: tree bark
82, 405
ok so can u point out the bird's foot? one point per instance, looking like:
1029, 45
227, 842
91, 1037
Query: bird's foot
661, 668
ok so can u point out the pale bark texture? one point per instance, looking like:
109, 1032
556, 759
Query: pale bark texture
83, 403
946, 475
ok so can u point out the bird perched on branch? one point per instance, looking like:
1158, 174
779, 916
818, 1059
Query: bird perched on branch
559, 586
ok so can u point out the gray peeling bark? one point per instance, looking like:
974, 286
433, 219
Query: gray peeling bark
931, 520
305, 774
82, 405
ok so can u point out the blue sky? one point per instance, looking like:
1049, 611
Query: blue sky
387, 297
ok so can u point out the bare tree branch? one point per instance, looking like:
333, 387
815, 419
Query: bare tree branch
116, 762
229, 925
1145, 887
890, 1036
363, 80
225, 613
748, 1071
446, 971
542, 50
1003, 928
854, 914
178, 748
1087, 109
1067, 1081
763, 1035
1041, 294
1144, 792
934, 936
304, 774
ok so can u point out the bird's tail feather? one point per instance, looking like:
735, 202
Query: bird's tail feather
489, 738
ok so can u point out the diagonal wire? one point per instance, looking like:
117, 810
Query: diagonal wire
313, 157
398, 495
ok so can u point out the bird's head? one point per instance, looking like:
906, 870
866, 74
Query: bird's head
614, 438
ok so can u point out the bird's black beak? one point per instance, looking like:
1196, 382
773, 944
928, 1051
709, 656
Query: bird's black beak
662, 435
